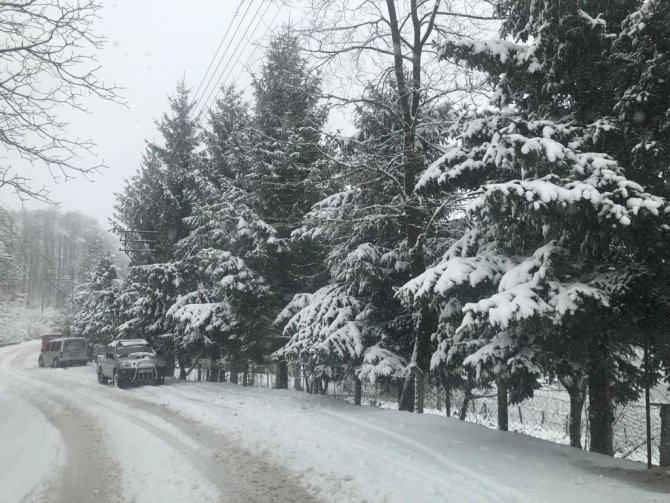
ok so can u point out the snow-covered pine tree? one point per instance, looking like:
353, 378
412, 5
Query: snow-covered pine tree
146, 295
95, 251
561, 239
154, 199
354, 324
285, 172
226, 245
95, 303
11, 249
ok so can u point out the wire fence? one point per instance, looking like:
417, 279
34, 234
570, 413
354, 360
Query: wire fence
546, 415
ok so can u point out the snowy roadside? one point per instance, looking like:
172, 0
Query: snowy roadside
339, 452
347, 453
23, 428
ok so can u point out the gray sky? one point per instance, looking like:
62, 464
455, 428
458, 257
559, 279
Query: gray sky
151, 45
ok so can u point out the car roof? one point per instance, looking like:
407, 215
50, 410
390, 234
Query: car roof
68, 339
128, 342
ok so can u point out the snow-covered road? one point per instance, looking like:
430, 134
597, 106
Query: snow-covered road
67, 438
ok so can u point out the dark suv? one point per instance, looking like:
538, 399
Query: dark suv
130, 361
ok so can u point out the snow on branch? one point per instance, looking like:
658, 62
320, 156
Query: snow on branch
381, 362
325, 328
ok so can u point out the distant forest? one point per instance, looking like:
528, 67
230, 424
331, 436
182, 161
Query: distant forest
46, 253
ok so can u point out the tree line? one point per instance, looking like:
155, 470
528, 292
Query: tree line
498, 217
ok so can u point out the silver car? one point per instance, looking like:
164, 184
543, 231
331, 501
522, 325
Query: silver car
64, 351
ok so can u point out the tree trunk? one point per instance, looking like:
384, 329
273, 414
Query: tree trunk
297, 385
664, 447
601, 416
358, 390
419, 391
182, 367
233, 372
503, 414
407, 396
576, 388
467, 396
212, 375
245, 374
281, 375
169, 364
447, 397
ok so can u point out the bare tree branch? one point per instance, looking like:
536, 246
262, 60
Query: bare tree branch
47, 55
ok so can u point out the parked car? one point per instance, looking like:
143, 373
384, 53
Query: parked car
46, 338
63, 351
130, 361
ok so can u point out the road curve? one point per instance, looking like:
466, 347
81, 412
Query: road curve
116, 447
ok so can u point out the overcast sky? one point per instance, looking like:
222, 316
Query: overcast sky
151, 44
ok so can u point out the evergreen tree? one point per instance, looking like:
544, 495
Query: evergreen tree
96, 307
286, 168
227, 245
354, 323
561, 239
154, 199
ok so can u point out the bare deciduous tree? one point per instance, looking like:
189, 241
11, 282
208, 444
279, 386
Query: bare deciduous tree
47, 54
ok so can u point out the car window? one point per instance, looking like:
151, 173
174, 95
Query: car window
128, 350
75, 345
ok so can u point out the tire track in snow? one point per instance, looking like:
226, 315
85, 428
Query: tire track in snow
87, 472
493, 489
235, 472
486, 488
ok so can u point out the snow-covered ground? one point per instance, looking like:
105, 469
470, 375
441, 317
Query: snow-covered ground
212, 442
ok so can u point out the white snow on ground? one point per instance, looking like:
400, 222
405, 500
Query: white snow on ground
23, 429
347, 453
344, 453
143, 454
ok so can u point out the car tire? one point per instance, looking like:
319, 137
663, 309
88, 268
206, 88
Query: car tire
55, 364
40, 361
119, 383
101, 377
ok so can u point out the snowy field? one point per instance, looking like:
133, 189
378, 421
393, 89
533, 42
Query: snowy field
221, 442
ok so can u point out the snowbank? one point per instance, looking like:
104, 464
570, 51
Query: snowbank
347, 453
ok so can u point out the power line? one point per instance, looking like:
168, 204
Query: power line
244, 38
223, 56
217, 89
202, 81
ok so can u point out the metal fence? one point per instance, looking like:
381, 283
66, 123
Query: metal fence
544, 416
